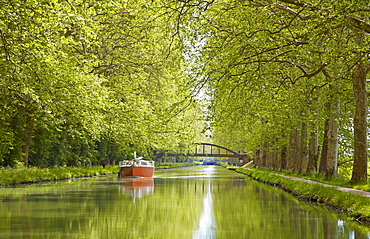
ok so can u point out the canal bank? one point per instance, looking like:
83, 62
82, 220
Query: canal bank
16, 176
354, 203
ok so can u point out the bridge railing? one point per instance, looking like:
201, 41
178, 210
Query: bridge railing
207, 150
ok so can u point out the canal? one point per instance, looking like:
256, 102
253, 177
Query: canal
202, 202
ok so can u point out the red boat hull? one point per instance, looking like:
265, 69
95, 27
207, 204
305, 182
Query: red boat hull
136, 171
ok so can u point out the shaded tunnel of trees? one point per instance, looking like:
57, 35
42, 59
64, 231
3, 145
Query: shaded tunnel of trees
283, 80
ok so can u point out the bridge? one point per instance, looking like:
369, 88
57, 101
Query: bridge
208, 150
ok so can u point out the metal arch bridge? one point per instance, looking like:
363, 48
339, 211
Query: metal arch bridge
208, 150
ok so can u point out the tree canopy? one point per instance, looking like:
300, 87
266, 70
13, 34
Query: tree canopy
286, 80
88, 82
284, 75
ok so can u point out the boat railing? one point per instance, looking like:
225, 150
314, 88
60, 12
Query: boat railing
125, 163
142, 163
146, 163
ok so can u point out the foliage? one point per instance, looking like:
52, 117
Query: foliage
85, 82
275, 71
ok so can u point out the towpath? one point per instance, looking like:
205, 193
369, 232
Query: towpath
344, 189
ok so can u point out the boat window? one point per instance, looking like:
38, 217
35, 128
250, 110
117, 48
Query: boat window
126, 163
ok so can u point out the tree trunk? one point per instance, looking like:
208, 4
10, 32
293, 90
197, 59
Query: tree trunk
332, 140
283, 161
302, 156
30, 122
289, 152
293, 151
296, 150
275, 159
324, 150
313, 149
268, 158
359, 172
263, 155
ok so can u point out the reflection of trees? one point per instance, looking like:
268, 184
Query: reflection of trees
241, 209
99, 210
251, 211
172, 211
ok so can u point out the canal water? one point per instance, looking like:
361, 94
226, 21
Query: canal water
202, 202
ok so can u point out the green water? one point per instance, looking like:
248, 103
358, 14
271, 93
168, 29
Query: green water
186, 203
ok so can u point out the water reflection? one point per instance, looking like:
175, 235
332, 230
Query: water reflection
217, 203
207, 224
137, 187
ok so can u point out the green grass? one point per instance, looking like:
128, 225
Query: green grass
342, 180
337, 181
173, 165
33, 175
16, 176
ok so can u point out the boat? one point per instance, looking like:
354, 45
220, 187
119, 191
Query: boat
137, 167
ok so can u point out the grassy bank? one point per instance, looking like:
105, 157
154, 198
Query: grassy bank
10, 177
343, 181
355, 206
33, 175
173, 165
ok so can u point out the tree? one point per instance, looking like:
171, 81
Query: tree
78, 76
295, 43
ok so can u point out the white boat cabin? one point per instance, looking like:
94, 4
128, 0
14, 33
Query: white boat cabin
136, 163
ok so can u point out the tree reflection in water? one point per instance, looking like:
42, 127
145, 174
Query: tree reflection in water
206, 202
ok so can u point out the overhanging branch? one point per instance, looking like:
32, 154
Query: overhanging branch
292, 12
360, 23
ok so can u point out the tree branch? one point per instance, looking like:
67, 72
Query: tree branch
312, 74
360, 24
292, 12
320, 69
293, 2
